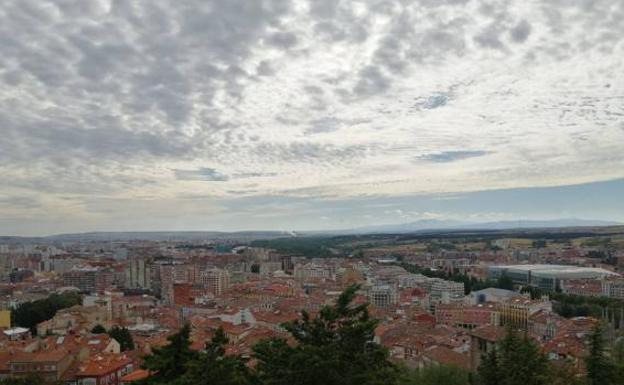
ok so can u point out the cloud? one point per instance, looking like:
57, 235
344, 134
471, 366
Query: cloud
309, 98
521, 32
203, 174
450, 156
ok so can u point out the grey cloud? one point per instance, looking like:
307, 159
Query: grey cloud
19, 202
521, 32
265, 69
245, 175
304, 152
490, 38
284, 40
450, 156
203, 174
371, 81
323, 125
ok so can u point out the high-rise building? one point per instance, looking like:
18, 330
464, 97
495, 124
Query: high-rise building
138, 274
383, 296
89, 279
215, 280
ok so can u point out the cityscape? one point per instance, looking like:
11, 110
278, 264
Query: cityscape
312, 192
440, 298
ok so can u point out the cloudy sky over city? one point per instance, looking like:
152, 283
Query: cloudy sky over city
307, 114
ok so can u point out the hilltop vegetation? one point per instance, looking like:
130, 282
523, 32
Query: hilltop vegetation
398, 244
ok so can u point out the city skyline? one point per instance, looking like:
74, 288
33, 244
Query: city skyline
308, 115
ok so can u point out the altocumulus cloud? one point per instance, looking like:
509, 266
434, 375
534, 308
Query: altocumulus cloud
150, 98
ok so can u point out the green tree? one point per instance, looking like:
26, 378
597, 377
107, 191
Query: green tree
334, 348
563, 374
489, 371
29, 380
517, 360
436, 375
213, 367
29, 314
123, 336
600, 368
169, 363
504, 282
618, 358
98, 329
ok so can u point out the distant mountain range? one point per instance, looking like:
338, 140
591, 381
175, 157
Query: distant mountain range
403, 228
435, 224
152, 236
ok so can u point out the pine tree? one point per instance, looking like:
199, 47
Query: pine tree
334, 348
28, 380
169, 363
618, 358
517, 360
600, 368
436, 375
213, 367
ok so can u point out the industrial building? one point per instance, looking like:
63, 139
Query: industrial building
546, 276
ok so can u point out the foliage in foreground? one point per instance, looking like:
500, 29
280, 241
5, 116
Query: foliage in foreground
336, 347
436, 375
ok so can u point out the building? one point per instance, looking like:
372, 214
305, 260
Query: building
482, 341
17, 334
5, 319
312, 271
491, 294
383, 296
613, 288
215, 280
517, 311
443, 291
138, 274
583, 287
89, 279
104, 369
467, 317
50, 365
546, 276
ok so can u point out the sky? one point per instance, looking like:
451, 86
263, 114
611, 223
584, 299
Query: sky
307, 114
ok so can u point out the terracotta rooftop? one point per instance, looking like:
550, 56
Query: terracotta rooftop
102, 364
489, 333
137, 375
446, 356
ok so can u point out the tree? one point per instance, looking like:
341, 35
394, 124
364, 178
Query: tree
28, 380
517, 360
334, 348
169, 363
123, 336
618, 358
489, 372
600, 368
436, 375
561, 373
504, 282
98, 329
213, 367
29, 314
